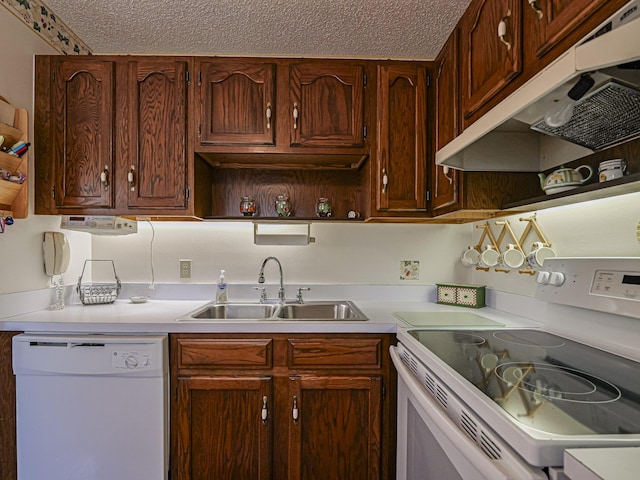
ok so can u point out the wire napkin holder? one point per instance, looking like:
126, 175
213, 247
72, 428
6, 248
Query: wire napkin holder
98, 293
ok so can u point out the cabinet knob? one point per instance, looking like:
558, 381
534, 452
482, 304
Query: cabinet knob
502, 29
265, 411
296, 114
268, 115
295, 412
104, 177
536, 8
131, 178
385, 180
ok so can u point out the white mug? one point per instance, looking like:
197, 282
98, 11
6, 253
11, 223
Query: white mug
537, 256
489, 257
512, 257
611, 169
470, 257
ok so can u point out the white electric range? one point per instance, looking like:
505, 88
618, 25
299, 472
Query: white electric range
506, 403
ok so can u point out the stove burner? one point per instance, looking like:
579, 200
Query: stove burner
529, 339
555, 383
467, 339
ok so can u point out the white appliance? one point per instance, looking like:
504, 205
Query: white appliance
505, 403
99, 224
91, 407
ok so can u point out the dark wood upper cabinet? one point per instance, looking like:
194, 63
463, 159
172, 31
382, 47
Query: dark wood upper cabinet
237, 102
401, 152
446, 183
326, 105
112, 135
81, 132
154, 146
548, 22
491, 51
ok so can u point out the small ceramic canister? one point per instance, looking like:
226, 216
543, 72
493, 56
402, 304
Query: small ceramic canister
611, 169
489, 257
537, 256
512, 257
470, 257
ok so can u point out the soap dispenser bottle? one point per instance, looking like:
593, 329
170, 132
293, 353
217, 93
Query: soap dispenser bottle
221, 293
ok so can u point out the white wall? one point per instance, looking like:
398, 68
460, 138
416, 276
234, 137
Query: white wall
343, 253
21, 243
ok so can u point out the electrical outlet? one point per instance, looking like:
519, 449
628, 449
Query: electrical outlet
185, 268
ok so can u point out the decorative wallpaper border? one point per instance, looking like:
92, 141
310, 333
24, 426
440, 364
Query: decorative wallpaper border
39, 17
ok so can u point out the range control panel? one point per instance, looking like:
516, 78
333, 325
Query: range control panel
610, 284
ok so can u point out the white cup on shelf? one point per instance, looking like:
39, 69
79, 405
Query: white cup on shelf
512, 257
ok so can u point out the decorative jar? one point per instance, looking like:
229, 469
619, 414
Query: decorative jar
323, 207
248, 206
283, 205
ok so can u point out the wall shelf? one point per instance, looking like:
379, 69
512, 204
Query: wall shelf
592, 191
14, 197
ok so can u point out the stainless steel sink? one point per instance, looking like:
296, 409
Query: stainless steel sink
311, 311
343, 310
234, 311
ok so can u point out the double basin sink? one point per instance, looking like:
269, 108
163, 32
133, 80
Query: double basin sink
310, 311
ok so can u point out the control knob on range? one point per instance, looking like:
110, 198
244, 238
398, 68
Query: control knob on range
556, 279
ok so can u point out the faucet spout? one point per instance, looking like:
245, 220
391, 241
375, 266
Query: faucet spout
281, 294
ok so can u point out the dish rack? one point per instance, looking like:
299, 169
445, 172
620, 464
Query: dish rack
98, 293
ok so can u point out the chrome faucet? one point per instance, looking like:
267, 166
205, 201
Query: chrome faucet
281, 294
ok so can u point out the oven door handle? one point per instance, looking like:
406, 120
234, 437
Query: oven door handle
507, 468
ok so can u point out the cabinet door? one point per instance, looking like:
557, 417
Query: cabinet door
445, 183
8, 456
402, 138
237, 102
224, 428
82, 106
488, 63
326, 105
155, 142
335, 427
550, 21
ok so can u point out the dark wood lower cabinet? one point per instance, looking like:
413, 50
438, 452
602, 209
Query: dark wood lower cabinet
282, 407
8, 458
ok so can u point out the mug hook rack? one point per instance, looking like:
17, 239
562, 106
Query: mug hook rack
531, 227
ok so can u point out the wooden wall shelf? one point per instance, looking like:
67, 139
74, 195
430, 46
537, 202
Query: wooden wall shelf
14, 197
274, 161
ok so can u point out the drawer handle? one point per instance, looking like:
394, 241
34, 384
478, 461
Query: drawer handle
502, 29
536, 8
265, 411
295, 413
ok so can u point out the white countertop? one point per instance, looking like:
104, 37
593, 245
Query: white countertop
602, 463
160, 316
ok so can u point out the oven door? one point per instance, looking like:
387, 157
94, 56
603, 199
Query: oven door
431, 446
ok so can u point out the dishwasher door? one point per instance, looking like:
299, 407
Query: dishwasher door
91, 407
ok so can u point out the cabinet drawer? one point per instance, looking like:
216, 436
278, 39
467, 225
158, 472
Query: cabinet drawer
225, 353
334, 353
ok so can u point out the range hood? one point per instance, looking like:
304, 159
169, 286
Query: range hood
513, 136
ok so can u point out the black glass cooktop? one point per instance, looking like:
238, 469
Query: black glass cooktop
543, 380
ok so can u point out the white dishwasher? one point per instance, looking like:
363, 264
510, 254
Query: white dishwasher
91, 407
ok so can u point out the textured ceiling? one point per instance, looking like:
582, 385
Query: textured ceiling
412, 29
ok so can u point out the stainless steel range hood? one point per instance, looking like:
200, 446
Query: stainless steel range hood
503, 139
